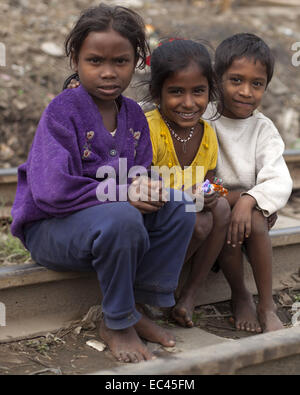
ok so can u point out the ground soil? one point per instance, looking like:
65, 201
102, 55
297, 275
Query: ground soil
66, 353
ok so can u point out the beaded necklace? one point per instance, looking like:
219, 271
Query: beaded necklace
178, 138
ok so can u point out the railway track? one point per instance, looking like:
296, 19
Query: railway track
8, 186
38, 301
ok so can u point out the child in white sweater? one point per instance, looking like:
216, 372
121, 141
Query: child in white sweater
251, 164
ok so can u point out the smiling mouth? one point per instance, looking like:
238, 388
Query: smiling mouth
243, 103
187, 115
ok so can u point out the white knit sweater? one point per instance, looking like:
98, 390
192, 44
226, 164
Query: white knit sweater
250, 158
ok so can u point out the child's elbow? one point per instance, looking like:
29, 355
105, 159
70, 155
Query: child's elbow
286, 189
288, 185
291, 185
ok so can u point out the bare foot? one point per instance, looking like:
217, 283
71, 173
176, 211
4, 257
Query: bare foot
125, 344
268, 319
183, 312
148, 330
244, 313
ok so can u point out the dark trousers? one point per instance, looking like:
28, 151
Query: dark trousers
138, 258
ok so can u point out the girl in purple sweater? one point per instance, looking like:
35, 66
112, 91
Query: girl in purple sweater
73, 208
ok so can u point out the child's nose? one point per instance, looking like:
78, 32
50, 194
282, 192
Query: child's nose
245, 90
107, 71
188, 101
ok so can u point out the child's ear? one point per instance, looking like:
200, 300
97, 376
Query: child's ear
155, 99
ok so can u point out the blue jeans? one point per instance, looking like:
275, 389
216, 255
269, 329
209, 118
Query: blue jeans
137, 258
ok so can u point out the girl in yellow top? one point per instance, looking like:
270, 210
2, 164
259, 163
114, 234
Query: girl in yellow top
181, 85
164, 152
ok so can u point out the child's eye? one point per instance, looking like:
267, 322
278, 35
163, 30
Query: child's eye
258, 84
176, 91
236, 80
121, 61
94, 60
200, 90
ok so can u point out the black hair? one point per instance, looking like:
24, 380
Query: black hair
243, 45
102, 18
175, 55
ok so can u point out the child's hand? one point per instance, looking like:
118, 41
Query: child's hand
73, 84
240, 226
146, 195
209, 200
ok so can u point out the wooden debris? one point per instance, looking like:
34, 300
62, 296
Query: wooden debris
96, 345
285, 299
56, 371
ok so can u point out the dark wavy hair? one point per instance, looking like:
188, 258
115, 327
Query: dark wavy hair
102, 18
175, 55
243, 45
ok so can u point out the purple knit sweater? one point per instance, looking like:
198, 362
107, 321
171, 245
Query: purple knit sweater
70, 144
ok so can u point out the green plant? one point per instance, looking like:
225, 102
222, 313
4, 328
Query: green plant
43, 344
12, 250
296, 297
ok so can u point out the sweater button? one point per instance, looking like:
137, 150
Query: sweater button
113, 152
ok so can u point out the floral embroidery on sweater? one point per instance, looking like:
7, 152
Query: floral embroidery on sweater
136, 135
87, 146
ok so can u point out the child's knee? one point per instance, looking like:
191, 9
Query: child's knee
125, 222
259, 225
222, 214
128, 219
203, 226
184, 206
